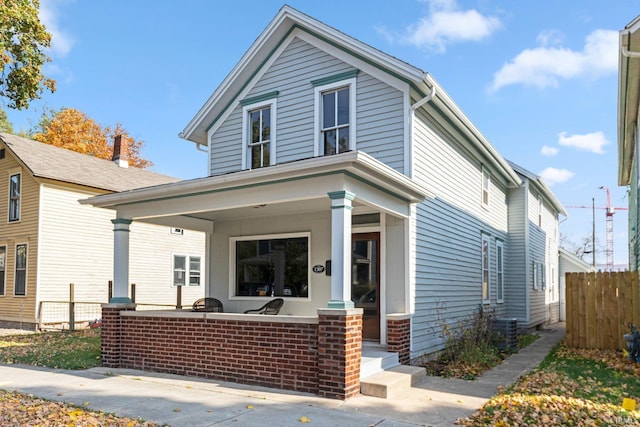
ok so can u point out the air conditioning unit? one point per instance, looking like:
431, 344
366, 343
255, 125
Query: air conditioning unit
506, 331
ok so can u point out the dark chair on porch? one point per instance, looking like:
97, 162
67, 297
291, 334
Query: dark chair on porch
207, 304
272, 307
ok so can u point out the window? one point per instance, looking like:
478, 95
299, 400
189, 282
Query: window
3, 259
335, 113
14, 197
20, 281
180, 271
259, 131
335, 121
540, 211
499, 272
259, 138
539, 281
486, 181
271, 266
485, 269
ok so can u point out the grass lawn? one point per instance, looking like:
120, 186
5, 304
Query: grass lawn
570, 388
65, 349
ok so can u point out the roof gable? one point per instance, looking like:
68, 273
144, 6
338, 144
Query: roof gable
541, 187
46, 161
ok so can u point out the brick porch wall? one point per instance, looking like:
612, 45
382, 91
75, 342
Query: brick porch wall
399, 336
339, 352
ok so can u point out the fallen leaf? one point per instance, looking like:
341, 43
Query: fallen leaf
304, 420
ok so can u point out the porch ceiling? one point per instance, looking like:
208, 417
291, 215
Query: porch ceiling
293, 188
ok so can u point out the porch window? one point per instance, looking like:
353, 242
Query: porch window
271, 266
499, 272
14, 197
20, 281
485, 269
186, 266
3, 259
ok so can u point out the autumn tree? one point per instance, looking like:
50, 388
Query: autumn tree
23, 40
73, 130
5, 124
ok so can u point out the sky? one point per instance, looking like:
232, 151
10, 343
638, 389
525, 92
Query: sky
538, 78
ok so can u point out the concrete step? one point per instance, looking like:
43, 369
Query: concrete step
374, 361
388, 383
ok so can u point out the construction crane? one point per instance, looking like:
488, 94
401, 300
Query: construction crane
609, 212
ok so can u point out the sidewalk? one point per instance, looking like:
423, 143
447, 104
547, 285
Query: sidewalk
185, 401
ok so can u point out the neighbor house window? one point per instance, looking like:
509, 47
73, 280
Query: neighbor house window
486, 183
186, 267
271, 265
259, 119
499, 272
335, 113
14, 197
20, 281
540, 205
485, 268
3, 260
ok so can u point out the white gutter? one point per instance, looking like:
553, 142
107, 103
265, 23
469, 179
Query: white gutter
625, 49
424, 100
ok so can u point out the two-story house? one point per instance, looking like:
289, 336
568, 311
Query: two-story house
48, 240
341, 177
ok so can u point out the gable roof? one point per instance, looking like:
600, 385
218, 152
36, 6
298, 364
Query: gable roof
541, 186
59, 164
286, 21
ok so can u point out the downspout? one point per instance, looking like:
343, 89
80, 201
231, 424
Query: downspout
199, 148
414, 107
625, 49
424, 100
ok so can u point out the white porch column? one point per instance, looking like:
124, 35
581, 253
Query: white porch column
341, 249
120, 261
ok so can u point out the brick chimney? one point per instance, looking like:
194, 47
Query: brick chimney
120, 151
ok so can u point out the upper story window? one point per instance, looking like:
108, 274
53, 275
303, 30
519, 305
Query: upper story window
258, 123
486, 184
335, 101
335, 121
14, 197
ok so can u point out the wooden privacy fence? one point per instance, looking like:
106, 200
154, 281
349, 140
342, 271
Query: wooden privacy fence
600, 307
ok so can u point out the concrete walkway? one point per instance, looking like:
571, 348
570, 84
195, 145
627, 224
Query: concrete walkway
185, 401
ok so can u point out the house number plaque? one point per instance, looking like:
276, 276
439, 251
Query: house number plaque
318, 268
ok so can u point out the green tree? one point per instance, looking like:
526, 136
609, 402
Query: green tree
23, 39
5, 124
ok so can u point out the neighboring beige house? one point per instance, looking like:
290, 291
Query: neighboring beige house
48, 240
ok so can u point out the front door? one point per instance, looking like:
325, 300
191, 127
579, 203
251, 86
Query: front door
365, 281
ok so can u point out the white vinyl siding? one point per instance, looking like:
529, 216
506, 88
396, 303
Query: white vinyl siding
517, 259
85, 235
379, 114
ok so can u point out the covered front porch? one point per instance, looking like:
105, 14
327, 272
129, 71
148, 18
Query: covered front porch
329, 235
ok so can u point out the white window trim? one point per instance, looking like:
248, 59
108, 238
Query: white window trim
4, 291
485, 172
485, 238
246, 134
318, 149
15, 269
499, 244
11, 173
232, 264
187, 269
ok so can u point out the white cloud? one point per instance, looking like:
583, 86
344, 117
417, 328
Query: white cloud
545, 65
447, 24
549, 151
592, 142
61, 43
555, 176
